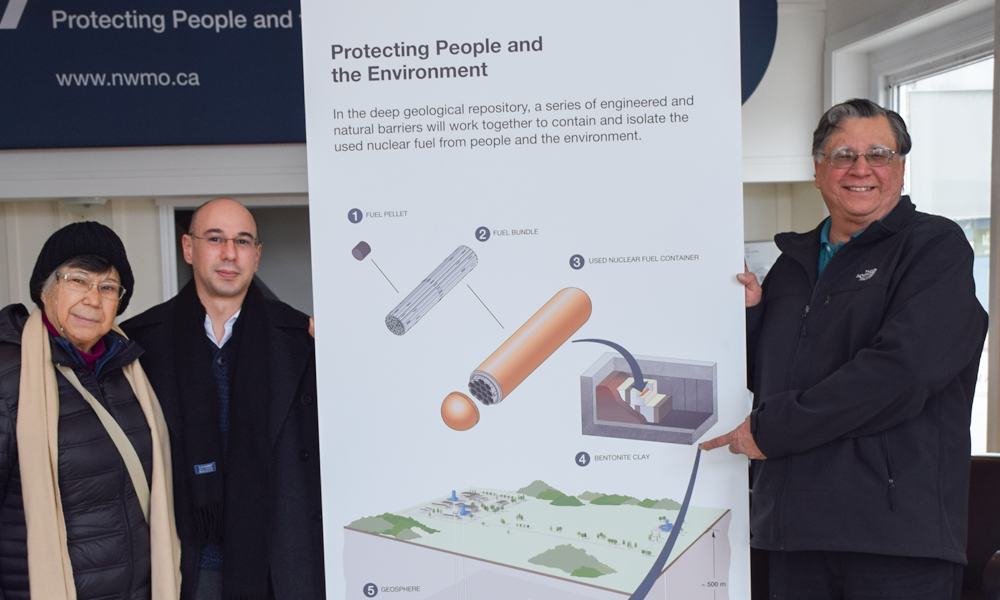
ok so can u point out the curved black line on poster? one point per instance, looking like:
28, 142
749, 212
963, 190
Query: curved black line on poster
661, 560
758, 32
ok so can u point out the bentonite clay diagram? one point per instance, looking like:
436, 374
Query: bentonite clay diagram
678, 402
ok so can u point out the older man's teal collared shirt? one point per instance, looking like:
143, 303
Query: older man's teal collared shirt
827, 249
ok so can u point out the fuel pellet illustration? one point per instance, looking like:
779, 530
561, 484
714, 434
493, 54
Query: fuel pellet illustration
362, 250
530, 346
430, 291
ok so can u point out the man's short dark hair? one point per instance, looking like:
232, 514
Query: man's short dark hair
859, 108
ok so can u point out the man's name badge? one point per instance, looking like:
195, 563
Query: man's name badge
205, 468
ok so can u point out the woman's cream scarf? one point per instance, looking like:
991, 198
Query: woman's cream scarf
50, 574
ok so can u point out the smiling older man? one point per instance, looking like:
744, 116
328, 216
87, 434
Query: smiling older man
863, 347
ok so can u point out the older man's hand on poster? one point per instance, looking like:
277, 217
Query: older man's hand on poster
739, 440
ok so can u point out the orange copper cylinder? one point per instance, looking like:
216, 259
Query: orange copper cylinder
530, 346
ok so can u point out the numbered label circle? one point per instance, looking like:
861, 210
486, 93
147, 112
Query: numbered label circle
582, 459
576, 261
370, 590
355, 215
483, 234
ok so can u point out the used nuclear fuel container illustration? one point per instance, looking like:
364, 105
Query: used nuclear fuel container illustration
530, 345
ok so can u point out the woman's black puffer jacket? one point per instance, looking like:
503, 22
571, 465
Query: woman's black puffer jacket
107, 534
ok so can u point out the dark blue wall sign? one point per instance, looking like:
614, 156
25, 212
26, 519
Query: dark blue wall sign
98, 73
93, 73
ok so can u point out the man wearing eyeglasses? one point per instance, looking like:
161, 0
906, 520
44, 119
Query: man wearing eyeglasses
863, 347
235, 373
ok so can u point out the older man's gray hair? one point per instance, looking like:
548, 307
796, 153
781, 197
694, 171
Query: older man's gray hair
858, 108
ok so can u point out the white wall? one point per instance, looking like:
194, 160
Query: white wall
770, 208
26, 227
778, 119
166, 171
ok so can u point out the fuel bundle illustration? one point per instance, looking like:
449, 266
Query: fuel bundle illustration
430, 291
530, 345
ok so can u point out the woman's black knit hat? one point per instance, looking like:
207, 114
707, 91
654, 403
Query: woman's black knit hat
79, 239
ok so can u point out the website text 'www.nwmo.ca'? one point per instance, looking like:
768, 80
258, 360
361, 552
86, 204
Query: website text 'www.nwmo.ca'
126, 79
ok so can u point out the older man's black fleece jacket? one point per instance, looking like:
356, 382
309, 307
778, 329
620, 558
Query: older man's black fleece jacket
863, 381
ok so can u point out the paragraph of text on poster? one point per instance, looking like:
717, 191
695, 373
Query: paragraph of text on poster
497, 125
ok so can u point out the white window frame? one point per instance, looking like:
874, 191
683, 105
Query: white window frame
922, 38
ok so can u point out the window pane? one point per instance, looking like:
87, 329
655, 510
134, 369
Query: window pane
950, 160
950, 118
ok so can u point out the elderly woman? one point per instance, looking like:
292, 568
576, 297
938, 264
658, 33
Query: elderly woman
85, 491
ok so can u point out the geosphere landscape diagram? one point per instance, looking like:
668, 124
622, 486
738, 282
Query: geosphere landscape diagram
537, 542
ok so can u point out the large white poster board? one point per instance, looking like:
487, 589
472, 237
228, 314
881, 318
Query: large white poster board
490, 183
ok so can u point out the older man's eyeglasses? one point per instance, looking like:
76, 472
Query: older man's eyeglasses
241, 243
81, 284
842, 158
